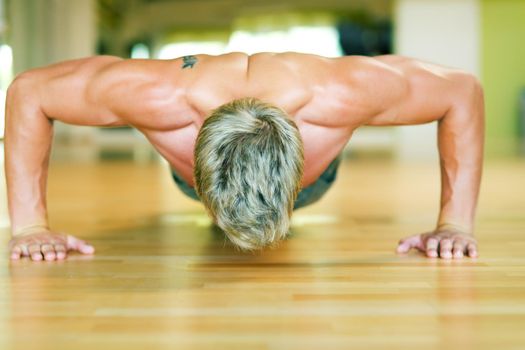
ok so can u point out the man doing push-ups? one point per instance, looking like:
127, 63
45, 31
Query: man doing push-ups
252, 137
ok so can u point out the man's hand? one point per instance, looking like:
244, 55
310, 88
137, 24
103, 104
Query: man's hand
47, 245
447, 243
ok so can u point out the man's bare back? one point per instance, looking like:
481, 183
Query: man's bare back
328, 98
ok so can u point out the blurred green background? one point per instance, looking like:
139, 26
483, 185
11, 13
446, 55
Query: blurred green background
485, 37
503, 74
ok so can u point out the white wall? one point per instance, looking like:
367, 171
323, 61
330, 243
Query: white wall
439, 31
48, 31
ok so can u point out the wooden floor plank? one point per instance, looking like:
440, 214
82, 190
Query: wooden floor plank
164, 277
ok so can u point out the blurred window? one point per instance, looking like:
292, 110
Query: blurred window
319, 40
175, 50
140, 51
315, 34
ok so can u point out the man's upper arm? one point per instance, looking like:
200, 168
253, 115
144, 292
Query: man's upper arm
426, 92
66, 91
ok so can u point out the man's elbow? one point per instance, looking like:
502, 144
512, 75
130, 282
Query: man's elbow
470, 87
23, 87
468, 97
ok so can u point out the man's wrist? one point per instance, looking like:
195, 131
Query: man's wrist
449, 225
31, 229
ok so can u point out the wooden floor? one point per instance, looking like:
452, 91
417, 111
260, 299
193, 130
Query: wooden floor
163, 279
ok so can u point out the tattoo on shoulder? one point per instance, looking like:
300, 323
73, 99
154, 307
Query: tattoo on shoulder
188, 61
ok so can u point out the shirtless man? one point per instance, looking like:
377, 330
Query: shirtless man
253, 137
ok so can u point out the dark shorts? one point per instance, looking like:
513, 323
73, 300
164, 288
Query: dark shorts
306, 196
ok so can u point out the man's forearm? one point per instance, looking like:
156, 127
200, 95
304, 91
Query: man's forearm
460, 141
28, 137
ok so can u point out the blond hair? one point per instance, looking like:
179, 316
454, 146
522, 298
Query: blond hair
248, 169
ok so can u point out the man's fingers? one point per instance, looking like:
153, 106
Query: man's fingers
25, 250
445, 248
61, 251
16, 252
458, 250
408, 243
35, 252
39, 251
472, 250
85, 248
79, 245
403, 247
431, 247
48, 251
47, 246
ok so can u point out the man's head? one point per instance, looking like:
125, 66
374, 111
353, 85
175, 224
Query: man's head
248, 171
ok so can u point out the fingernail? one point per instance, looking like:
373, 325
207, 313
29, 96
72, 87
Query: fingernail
88, 249
36, 257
